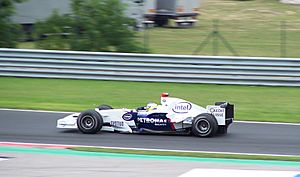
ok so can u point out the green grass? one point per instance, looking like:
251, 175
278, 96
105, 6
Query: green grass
27, 45
251, 27
188, 154
255, 103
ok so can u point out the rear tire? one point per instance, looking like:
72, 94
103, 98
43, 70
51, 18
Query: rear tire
89, 122
204, 125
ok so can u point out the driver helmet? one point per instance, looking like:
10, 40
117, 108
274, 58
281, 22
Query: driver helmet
151, 106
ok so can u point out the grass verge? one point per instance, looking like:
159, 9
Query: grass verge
188, 154
256, 103
252, 28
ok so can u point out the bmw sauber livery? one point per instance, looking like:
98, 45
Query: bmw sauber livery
173, 115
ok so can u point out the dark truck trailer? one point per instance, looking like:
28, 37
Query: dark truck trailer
142, 11
182, 11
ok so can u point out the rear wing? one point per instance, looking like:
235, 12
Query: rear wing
229, 109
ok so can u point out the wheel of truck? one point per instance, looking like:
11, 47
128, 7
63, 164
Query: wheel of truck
222, 129
89, 122
204, 125
104, 107
161, 21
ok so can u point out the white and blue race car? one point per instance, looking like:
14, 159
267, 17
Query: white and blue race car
173, 115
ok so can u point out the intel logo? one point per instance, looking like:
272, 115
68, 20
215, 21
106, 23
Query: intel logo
127, 116
182, 107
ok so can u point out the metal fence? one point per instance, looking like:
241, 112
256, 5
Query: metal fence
220, 37
153, 68
228, 38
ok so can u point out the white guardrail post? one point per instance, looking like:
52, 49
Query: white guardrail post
150, 67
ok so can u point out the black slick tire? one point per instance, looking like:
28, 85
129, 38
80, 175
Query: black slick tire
89, 122
204, 125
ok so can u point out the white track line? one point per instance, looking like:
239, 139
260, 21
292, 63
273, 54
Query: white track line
232, 172
142, 149
64, 112
3, 159
267, 123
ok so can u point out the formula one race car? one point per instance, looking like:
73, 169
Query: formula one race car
174, 115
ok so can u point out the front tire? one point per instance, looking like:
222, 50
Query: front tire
204, 125
89, 122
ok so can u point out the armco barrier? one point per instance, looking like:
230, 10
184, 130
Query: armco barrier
146, 67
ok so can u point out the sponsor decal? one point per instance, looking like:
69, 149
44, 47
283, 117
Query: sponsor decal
216, 111
152, 120
117, 123
182, 107
155, 121
127, 116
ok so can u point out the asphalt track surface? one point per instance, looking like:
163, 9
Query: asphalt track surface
48, 165
40, 127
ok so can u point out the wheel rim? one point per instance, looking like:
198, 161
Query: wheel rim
203, 126
87, 122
